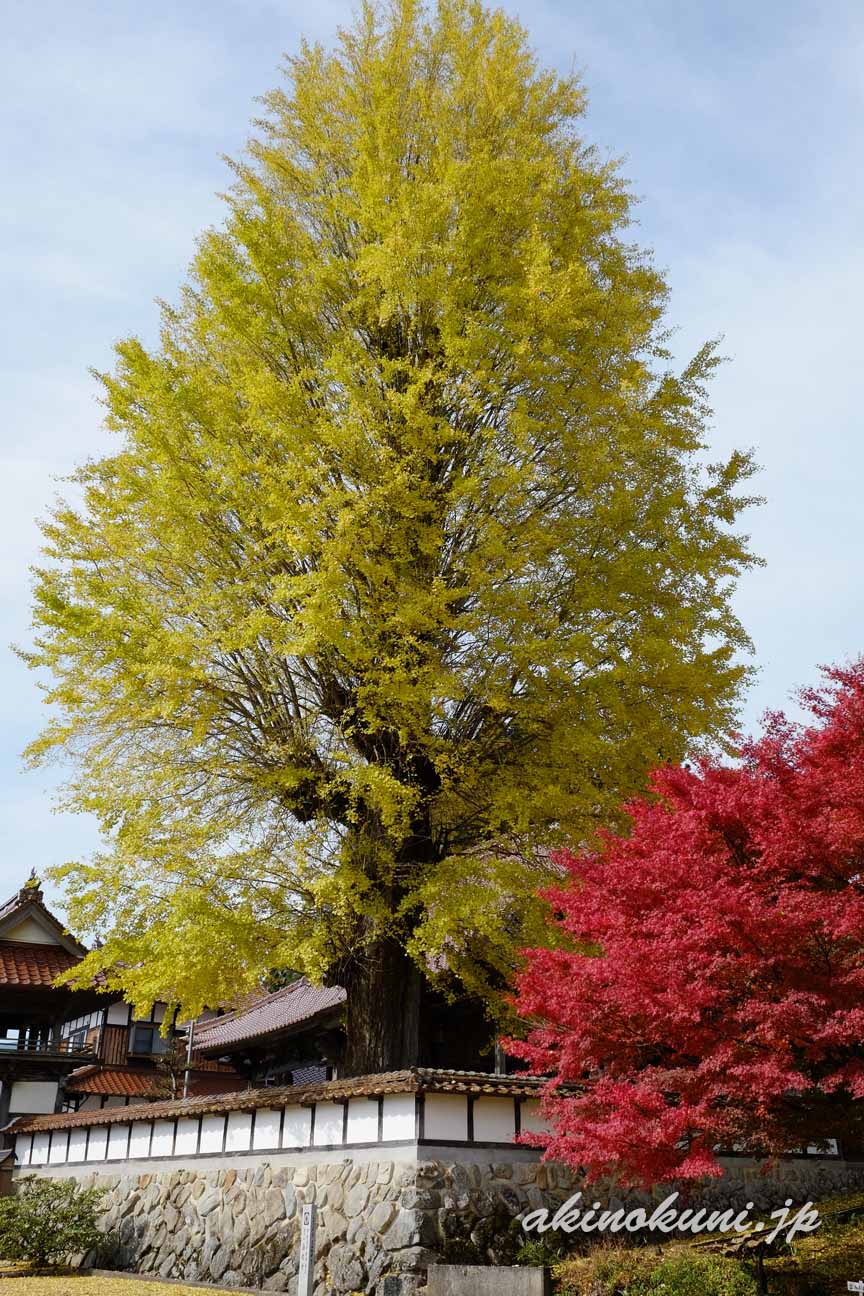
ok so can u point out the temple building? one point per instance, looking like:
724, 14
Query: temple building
65, 1048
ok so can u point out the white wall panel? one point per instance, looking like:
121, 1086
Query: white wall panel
266, 1131
139, 1143
239, 1138
98, 1144
59, 1143
186, 1143
78, 1145
23, 1148
532, 1121
399, 1118
212, 1133
329, 1118
494, 1120
39, 1155
118, 1139
296, 1131
446, 1117
33, 1098
163, 1139
363, 1120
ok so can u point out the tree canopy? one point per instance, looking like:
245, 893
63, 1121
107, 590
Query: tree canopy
409, 559
711, 994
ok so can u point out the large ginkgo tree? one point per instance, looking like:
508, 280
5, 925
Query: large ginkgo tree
409, 560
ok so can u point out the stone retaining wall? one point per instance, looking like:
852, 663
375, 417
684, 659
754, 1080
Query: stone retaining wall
381, 1223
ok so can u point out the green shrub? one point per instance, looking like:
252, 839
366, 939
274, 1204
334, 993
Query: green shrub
543, 1251
686, 1274
605, 1271
640, 1271
48, 1220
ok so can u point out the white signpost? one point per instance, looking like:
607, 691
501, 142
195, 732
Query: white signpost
856, 1286
306, 1278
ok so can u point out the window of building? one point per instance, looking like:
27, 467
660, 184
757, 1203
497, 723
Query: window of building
146, 1040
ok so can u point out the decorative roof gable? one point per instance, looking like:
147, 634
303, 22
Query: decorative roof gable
25, 920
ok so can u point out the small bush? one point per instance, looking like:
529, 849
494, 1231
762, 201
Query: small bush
48, 1220
643, 1272
686, 1274
604, 1271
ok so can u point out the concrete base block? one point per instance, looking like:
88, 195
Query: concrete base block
486, 1280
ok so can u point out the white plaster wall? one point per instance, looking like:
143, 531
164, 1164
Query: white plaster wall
39, 1154
297, 1127
163, 1138
77, 1145
242, 1133
329, 1118
139, 1143
399, 1119
532, 1121
266, 1131
212, 1133
186, 1142
363, 1120
446, 1117
33, 1097
59, 1143
239, 1136
98, 1143
23, 1148
494, 1120
118, 1137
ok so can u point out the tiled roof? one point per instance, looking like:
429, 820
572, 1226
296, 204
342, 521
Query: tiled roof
297, 1003
113, 1080
127, 1083
26, 964
415, 1080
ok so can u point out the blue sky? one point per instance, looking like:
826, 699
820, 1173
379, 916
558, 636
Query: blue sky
741, 128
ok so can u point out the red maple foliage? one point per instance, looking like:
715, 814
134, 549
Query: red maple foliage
710, 991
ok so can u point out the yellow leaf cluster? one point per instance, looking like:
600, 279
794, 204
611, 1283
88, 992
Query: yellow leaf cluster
408, 560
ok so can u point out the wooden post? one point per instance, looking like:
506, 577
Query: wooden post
760, 1273
306, 1277
189, 1041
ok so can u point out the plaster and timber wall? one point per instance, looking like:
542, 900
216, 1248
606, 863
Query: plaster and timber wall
407, 1170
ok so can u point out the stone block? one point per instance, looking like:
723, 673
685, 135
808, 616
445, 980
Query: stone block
486, 1280
346, 1270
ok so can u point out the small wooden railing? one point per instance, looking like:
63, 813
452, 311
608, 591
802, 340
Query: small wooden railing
45, 1048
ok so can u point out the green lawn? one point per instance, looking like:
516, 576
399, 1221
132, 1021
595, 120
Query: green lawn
72, 1285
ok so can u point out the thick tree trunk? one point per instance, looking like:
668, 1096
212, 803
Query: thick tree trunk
383, 1010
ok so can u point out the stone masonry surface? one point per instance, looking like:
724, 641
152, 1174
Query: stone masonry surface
380, 1223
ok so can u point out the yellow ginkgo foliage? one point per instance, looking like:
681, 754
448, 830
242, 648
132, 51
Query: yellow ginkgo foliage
409, 561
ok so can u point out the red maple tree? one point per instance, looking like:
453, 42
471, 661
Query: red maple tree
709, 991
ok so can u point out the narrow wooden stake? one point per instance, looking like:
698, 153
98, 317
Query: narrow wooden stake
306, 1278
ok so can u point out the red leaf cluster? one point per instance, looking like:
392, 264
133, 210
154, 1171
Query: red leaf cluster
711, 988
